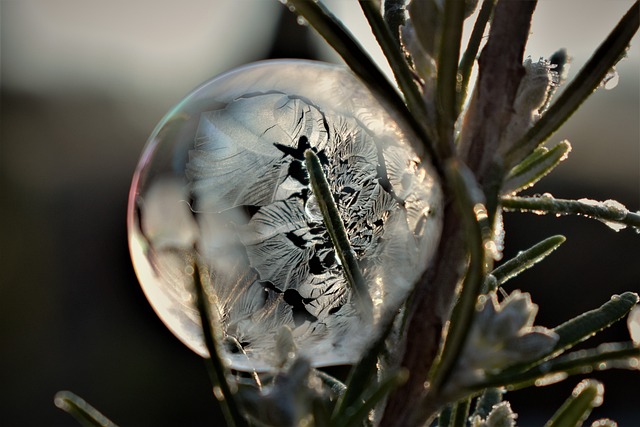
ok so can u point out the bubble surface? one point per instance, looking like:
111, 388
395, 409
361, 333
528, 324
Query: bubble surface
223, 182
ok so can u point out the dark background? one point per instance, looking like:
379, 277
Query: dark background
82, 86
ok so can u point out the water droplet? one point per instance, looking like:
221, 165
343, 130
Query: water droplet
610, 80
605, 422
551, 379
498, 236
217, 392
616, 209
620, 212
492, 250
312, 210
301, 21
223, 182
61, 403
633, 323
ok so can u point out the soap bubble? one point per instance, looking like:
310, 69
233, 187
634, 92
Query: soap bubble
222, 182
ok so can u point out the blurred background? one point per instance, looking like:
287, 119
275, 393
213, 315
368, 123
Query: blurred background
83, 83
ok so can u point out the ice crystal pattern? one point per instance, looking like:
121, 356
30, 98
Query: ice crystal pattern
223, 182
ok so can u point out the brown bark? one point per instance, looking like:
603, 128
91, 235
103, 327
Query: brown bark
430, 309
499, 76
500, 72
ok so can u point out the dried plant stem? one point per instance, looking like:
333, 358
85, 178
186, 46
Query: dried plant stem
432, 299
491, 108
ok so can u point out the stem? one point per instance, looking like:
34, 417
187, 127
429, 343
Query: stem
500, 73
399, 66
427, 311
79, 409
216, 368
338, 234
462, 315
463, 312
430, 303
470, 54
447, 83
603, 211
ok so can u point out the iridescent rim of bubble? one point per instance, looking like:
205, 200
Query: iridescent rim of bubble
223, 172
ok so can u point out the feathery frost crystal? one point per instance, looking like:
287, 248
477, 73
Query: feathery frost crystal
223, 182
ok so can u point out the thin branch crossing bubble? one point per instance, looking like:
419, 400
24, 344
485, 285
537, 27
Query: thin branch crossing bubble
225, 172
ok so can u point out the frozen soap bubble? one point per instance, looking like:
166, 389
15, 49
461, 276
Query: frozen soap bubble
223, 182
